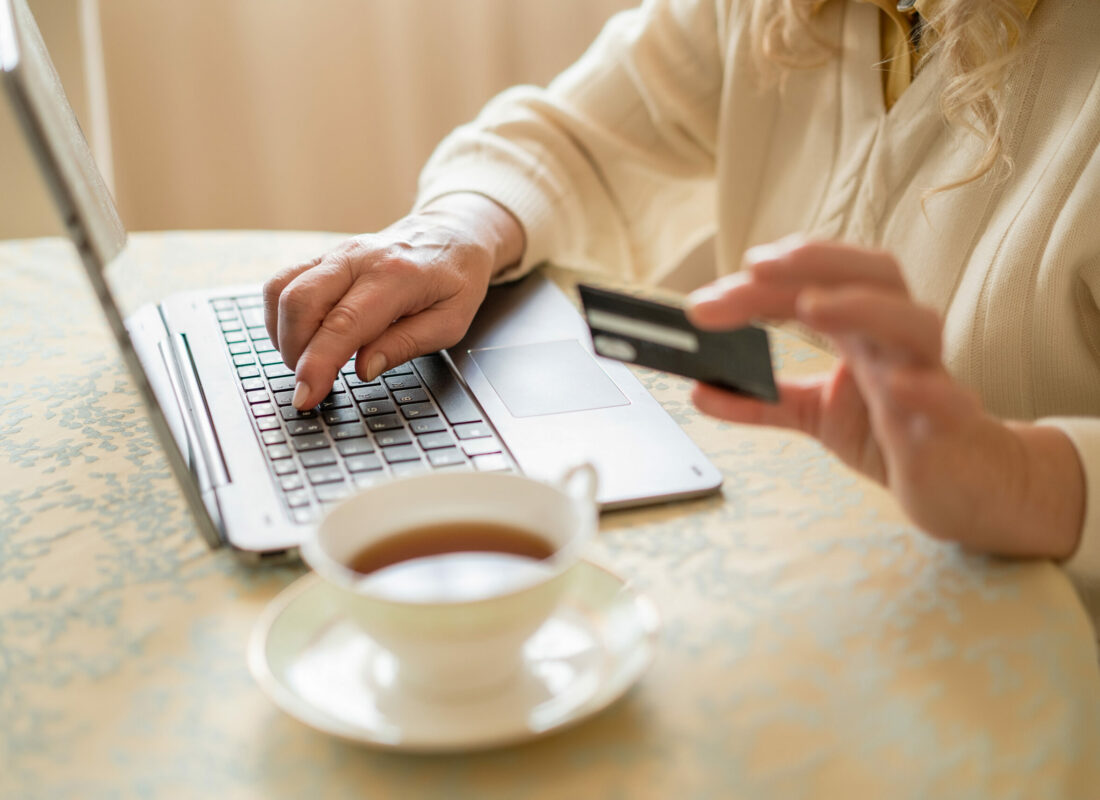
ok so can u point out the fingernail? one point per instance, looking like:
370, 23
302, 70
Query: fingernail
375, 365
809, 301
301, 392
704, 294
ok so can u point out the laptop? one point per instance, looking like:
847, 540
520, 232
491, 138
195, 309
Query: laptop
523, 391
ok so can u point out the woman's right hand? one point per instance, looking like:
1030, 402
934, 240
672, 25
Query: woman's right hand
389, 296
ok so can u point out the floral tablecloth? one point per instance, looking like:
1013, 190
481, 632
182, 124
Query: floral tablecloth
814, 644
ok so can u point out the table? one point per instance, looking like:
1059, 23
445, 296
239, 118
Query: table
814, 644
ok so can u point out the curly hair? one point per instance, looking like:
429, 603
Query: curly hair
975, 39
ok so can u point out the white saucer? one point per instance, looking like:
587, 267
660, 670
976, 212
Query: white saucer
324, 670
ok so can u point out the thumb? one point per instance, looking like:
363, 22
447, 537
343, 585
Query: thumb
409, 337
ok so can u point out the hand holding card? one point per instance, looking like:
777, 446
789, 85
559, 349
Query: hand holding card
659, 336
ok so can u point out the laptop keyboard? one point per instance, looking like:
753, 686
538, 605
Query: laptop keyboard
414, 418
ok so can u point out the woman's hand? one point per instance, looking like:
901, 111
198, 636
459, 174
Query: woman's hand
387, 297
890, 409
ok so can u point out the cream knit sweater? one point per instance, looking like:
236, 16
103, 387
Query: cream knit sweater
661, 136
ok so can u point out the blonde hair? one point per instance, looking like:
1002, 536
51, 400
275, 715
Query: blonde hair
976, 39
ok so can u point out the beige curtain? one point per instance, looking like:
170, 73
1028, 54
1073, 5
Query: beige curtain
300, 114
310, 115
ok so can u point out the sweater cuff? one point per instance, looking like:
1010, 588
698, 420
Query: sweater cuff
533, 208
1084, 565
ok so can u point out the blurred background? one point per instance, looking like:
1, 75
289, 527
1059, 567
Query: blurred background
298, 114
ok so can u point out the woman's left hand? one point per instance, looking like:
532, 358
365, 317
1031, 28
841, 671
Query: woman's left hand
889, 408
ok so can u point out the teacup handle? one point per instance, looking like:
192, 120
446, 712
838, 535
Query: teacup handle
580, 482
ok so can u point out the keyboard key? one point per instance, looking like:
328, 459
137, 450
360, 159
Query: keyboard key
370, 393
317, 458
365, 479
256, 396
290, 412
291, 482
252, 384
253, 317
277, 370
282, 384
272, 357
302, 516
351, 447
300, 427
351, 430
284, 398
472, 430
348, 368
263, 410
244, 359
319, 475
222, 304
480, 447
339, 415
238, 348
341, 400
402, 452
413, 410
354, 381
456, 404
297, 498
363, 463
275, 436
400, 369
332, 492
433, 441
235, 336
427, 425
410, 396
263, 346
446, 457
406, 468
230, 325
396, 382
267, 423
257, 332
248, 372
377, 407
284, 467
496, 462
277, 452
251, 301
392, 438
384, 422
311, 441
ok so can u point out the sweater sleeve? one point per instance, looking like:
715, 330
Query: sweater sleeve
611, 167
1084, 565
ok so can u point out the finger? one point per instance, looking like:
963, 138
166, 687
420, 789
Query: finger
823, 263
274, 287
798, 407
739, 299
306, 303
411, 336
892, 324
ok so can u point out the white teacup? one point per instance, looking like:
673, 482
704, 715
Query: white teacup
461, 632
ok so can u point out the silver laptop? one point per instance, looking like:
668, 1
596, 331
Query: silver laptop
523, 391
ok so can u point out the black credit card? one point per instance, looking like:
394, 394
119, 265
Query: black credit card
659, 336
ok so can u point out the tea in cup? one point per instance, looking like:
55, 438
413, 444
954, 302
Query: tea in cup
453, 572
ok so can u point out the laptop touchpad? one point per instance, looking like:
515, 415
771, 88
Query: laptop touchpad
547, 378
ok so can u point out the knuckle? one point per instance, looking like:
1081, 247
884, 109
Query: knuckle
342, 322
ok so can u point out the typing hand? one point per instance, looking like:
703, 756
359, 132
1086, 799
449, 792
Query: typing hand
889, 408
387, 297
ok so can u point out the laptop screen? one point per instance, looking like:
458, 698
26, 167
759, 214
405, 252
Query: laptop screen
54, 132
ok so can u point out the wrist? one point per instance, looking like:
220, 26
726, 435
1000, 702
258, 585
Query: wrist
491, 225
1047, 510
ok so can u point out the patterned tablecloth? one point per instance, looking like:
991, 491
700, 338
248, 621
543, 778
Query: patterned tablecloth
814, 644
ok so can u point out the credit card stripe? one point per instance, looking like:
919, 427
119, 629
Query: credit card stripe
646, 331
